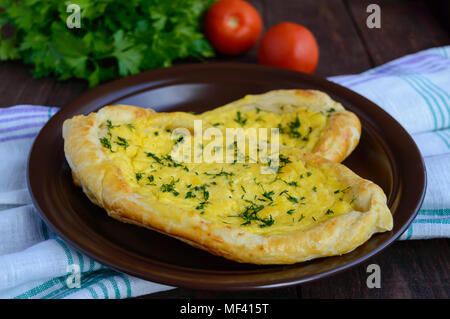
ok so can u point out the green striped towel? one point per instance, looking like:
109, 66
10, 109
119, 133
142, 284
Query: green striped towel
35, 263
415, 90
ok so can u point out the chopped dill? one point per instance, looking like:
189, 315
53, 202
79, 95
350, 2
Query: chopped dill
190, 194
170, 187
293, 128
289, 197
239, 119
250, 214
122, 142
268, 195
154, 157
106, 143
221, 173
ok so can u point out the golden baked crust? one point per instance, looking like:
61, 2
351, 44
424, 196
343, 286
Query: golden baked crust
105, 183
339, 136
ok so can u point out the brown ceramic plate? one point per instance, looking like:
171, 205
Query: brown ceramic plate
386, 155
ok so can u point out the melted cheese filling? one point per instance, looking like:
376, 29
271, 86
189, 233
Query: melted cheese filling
295, 197
301, 128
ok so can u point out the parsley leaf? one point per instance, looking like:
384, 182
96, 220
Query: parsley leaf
116, 38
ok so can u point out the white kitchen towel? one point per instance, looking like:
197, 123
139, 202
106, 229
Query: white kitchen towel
415, 90
35, 263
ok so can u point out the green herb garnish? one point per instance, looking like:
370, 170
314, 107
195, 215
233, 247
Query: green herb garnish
250, 214
170, 187
239, 119
154, 157
179, 140
284, 160
116, 39
293, 183
289, 197
268, 195
122, 142
106, 143
293, 128
201, 205
221, 173
343, 191
190, 194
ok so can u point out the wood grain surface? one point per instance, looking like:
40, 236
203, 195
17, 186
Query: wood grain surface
409, 269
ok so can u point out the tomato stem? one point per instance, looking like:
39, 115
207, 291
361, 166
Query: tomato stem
233, 22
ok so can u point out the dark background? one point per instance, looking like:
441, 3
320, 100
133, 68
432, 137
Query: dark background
411, 269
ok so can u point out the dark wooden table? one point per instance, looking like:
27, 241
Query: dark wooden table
412, 269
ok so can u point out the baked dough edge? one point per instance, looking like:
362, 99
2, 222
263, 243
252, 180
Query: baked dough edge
339, 138
103, 183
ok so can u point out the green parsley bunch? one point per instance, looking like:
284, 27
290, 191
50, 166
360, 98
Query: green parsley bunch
115, 38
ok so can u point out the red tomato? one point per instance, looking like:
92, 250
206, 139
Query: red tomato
232, 26
291, 46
